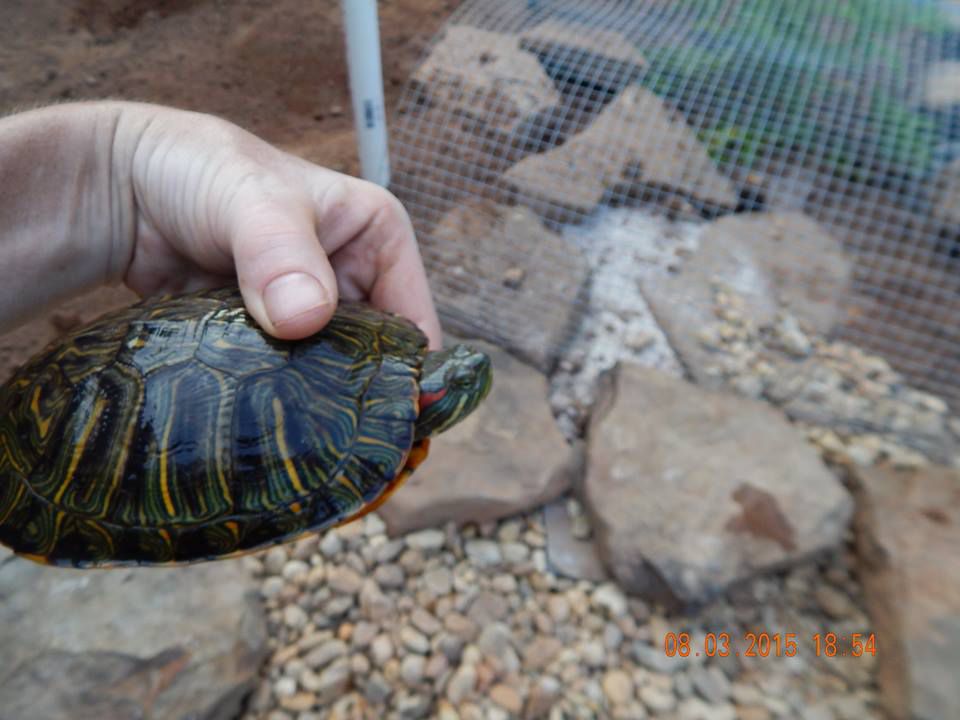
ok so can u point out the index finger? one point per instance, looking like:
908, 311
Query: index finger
371, 244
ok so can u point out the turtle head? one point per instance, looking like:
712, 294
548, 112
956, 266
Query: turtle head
452, 384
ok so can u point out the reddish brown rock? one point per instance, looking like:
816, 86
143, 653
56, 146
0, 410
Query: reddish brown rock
499, 273
691, 490
128, 643
507, 457
908, 538
485, 76
634, 140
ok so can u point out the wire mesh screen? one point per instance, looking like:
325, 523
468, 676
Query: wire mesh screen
528, 123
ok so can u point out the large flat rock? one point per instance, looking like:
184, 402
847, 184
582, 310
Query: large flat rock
634, 140
498, 273
908, 538
773, 261
507, 457
485, 76
692, 490
123, 644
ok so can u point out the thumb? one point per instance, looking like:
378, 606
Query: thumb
284, 275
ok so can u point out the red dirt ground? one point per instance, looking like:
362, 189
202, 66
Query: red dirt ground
276, 69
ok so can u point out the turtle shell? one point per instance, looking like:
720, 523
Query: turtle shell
177, 430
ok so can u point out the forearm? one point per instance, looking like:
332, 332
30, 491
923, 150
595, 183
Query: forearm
66, 223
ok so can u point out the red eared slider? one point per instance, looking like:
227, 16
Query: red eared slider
177, 430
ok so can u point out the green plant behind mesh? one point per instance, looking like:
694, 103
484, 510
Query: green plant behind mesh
821, 80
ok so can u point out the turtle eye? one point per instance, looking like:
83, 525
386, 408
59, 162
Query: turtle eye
462, 378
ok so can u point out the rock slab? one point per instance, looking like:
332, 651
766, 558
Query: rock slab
500, 274
634, 140
485, 76
773, 261
691, 490
507, 457
908, 535
132, 643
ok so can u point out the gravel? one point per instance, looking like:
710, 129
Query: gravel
434, 625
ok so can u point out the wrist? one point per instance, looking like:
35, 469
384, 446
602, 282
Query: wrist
61, 215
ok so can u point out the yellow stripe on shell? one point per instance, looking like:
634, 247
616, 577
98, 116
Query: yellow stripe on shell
78, 449
107, 536
21, 488
164, 479
44, 424
288, 463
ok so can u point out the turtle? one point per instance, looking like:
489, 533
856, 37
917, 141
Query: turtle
176, 430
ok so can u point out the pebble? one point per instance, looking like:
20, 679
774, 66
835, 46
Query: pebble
540, 652
559, 608
710, 683
451, 647
324, 654
483, 553
331, 545
344, 580
376, 689
514, 553
427, 540
617, 687
295, 571
744, 694
412, 669
438, 581
657, 699
375, 605
333, 681
388, 551
271, 587
381, 649
507, 697
505, 584
697, 709
653, 658
298, 702
425, 622
295, 617
285, 686
389, 576
414, 640
461, 683
593, 654
274, 560
609, 597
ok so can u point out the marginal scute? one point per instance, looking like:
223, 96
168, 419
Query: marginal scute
177, 430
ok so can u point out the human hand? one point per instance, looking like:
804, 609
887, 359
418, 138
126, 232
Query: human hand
189, 200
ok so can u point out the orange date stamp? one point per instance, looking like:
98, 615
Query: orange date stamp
764, 644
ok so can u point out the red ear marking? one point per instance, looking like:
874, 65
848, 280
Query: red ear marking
427, 399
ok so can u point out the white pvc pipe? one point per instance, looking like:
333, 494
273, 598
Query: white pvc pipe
366, 88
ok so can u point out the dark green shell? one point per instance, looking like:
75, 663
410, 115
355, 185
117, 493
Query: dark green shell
177, 430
